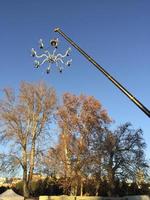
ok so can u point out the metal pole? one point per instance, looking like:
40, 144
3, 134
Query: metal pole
114, 81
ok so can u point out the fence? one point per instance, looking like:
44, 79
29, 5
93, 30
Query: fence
65, 197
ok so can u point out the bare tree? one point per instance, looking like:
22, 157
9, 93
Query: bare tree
123, 154
24, 120
79, 118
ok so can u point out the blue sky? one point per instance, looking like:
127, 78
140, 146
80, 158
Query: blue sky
116, 33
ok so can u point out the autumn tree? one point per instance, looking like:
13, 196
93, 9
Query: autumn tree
123, 154
24, 119
79, 119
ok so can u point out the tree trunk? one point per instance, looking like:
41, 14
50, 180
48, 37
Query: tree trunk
111, 176
81, 188
32, 158
66, 155
97, 188
26, 192
111, 179
73, 191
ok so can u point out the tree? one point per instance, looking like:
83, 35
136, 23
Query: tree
24, 119
123, 151
79, 119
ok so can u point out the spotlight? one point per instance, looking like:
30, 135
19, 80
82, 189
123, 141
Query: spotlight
48, 70
68, 63
54, 43
33, 52
36, 63
41, 45
60, 69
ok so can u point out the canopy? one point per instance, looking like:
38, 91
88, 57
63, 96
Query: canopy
10, 195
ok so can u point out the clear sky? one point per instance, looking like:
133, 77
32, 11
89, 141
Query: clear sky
116, 33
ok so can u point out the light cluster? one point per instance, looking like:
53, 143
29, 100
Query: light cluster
53, 58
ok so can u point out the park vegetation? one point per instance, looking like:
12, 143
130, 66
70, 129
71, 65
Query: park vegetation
88, 157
